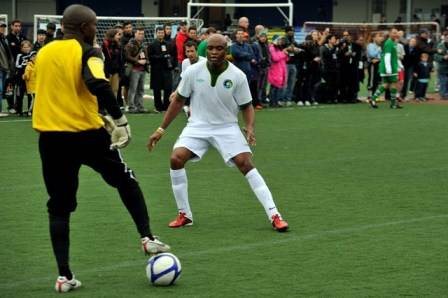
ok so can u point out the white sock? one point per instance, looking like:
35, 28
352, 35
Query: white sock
262, 192
179, 184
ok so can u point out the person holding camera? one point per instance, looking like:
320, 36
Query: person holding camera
162, 58
265, 61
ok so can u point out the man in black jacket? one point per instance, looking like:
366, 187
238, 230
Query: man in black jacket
162, 58
350, 56
14, 39
330, 68
6, 67
410, 61
312, 64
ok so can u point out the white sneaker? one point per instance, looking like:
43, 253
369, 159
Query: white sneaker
152, 247
300, 103
315, 103
307, 103
64, 285
12, 111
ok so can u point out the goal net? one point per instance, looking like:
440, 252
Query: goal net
106, 23
367, 29
4, 18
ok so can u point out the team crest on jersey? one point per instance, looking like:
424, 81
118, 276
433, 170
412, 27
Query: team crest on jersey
228, 84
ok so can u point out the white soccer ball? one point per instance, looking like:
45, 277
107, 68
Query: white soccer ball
163, 269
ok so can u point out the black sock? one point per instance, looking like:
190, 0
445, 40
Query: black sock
133, 199
59, 232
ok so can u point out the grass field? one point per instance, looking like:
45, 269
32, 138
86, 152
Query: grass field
365, 193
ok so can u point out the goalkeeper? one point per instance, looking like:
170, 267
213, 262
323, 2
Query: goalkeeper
71, 85
388, 71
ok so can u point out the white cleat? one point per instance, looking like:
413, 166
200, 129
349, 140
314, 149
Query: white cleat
152, 247
64, 285
300, 103
307, 103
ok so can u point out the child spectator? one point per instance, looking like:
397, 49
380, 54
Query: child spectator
40, 40
30, 80
277, 70
21, 61
422, 74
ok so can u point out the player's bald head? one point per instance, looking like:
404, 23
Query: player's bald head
74, 16
217, 40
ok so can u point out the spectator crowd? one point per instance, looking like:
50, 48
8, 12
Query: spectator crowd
324, 68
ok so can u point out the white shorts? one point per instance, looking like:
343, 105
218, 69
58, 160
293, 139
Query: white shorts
227, 139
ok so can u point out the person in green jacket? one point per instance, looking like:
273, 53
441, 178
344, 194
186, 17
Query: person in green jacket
202, 47
388, 71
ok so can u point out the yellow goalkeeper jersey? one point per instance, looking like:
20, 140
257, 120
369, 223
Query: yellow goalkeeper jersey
63, 102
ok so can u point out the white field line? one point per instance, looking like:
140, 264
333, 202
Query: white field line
233, 248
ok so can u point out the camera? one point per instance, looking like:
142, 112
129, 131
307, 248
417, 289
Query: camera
169, 64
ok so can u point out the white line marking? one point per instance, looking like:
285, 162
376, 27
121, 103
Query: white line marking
323, 234
15, 120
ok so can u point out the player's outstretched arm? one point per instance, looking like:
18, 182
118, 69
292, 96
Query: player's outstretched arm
176, 105
249, 120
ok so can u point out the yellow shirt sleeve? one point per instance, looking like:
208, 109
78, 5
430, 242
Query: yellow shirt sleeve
96, 67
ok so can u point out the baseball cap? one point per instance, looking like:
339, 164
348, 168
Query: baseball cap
2, 24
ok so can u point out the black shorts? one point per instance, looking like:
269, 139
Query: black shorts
63, 153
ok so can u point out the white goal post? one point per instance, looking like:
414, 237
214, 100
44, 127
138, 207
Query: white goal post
104, 23
279, 5
409, 27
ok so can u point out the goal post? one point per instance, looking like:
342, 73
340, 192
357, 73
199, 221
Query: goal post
279, 6
410, 28
104, 23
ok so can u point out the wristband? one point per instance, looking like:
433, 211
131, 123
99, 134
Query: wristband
160, 131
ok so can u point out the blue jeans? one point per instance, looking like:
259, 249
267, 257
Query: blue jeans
275, 95
443, 81
136, 90
291, 77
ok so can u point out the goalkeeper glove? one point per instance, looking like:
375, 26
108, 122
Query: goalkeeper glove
119, 131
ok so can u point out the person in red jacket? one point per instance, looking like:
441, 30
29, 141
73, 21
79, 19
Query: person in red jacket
181, 38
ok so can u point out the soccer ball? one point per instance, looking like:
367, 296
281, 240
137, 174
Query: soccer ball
163, 269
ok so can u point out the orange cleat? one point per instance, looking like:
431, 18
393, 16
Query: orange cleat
180, 221
279, 224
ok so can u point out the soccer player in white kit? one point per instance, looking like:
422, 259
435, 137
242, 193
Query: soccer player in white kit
218, 90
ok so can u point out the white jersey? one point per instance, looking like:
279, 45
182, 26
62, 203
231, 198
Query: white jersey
186, 63
214, 105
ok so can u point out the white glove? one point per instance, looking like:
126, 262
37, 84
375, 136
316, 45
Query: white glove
119, 131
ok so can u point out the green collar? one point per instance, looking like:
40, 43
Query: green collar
215, 73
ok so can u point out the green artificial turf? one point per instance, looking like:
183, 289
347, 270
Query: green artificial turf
364, 191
